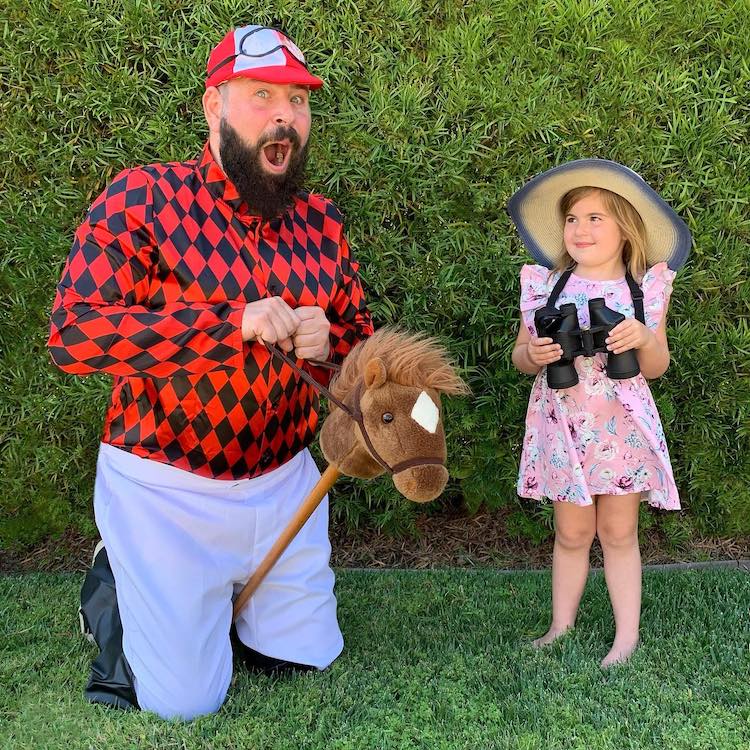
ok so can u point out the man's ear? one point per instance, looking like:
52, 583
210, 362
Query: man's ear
213, 104
375, 373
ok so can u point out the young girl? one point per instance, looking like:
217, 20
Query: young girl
597, 448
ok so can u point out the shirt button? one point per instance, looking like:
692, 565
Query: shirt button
274, 289
266, 458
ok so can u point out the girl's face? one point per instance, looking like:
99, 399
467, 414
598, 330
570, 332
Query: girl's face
591, 235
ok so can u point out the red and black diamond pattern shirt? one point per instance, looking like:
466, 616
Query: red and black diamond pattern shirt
153, 293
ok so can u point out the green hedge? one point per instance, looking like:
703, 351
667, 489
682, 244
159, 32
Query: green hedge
434, 113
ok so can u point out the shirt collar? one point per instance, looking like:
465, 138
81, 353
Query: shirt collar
222, 188
219, 185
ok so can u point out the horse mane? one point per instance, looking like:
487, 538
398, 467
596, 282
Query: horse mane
411, 359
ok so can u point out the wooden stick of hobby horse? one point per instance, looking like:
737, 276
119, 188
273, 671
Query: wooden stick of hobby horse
311, 502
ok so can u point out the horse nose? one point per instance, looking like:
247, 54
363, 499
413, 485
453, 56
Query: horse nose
421, 483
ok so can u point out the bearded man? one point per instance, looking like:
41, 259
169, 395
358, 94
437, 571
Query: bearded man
177, 278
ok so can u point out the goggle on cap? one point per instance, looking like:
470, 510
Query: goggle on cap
260, 53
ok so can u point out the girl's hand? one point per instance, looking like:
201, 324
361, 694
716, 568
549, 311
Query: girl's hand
630, 334
543, 351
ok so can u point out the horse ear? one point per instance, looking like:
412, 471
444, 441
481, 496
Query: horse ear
375, 373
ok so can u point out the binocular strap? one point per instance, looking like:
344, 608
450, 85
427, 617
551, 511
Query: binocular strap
635, 292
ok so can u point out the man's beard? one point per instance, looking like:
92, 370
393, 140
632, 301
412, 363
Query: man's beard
267, 194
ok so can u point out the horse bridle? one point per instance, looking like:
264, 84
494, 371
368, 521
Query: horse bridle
354, 412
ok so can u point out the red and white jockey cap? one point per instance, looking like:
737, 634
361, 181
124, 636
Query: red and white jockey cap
260, 53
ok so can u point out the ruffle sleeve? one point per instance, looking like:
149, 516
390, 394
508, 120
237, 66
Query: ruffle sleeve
536, 284
657, 289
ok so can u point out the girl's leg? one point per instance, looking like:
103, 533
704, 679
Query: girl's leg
617, 529
575, 526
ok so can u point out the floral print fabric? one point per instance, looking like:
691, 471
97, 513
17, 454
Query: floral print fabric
601, 436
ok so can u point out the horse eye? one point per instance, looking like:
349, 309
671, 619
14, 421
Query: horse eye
388, 417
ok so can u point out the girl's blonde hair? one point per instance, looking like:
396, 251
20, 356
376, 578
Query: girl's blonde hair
627, 218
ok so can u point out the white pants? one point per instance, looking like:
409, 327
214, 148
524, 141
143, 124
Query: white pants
181, 546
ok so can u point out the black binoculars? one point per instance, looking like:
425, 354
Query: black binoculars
563, 328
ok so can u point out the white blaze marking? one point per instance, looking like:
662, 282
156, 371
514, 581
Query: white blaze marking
425, 413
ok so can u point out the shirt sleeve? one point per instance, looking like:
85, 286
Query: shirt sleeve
535, 291
350, 319
657, 289
101, 320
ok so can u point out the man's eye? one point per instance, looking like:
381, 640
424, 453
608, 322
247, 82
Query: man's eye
262, 93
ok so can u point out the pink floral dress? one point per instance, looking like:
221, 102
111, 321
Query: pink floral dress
601, 436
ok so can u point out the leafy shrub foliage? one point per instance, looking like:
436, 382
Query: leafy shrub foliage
434, 113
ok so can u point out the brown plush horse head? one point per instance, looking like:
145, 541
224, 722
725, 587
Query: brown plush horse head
385, 416
391, 385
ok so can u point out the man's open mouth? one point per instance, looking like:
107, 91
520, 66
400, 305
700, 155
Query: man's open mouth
277, 154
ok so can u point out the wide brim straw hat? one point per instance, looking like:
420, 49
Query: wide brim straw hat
535, 210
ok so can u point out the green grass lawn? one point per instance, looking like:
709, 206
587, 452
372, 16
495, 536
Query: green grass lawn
432, 660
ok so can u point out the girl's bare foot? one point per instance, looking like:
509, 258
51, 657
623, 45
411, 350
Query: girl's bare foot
551, 635
619, 653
